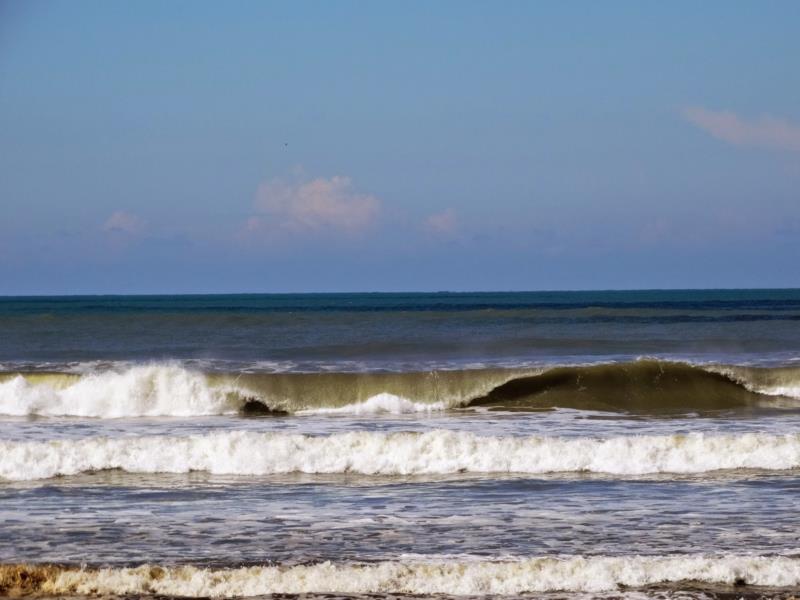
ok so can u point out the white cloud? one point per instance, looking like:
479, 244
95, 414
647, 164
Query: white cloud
765, 131
315, 205
124, 222
443, 223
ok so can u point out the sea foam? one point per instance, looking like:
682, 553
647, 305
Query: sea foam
139, 391
541, 574
169, 389
405, 453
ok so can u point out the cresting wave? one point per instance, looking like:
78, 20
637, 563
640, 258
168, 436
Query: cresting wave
643, 386
375, 453
541, 574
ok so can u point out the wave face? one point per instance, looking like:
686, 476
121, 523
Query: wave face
374, 453
643, 387
544, 574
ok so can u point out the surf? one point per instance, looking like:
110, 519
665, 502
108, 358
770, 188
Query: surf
434, 452
644, 387
416, 576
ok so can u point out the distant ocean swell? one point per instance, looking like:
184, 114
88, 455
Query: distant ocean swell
168, 389
402, 453
466, 577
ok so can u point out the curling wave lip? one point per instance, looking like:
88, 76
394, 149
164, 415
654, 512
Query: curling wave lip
648, 386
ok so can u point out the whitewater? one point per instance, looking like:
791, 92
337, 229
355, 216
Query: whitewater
540, 574
573, 445
373, 453
170, 389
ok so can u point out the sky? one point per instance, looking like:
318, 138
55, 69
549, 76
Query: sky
219, 147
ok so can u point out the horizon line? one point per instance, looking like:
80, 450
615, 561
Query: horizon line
397, 292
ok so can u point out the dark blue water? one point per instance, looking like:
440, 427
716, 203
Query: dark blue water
393, 329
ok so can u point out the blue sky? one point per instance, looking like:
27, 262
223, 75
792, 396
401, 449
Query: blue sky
335, 146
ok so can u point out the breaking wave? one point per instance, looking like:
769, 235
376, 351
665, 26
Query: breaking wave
643, 386
141, 391
432, 576
436, 452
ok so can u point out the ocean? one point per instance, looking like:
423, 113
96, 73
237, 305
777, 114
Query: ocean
610, 444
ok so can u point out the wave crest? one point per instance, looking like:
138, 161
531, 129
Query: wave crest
643, 387
436, 452
140, 391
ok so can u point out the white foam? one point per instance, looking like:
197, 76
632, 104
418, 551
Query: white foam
158, 390
139, 391
170, 389
379, 404
377, 453
544, 574
777, 382
788, 391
